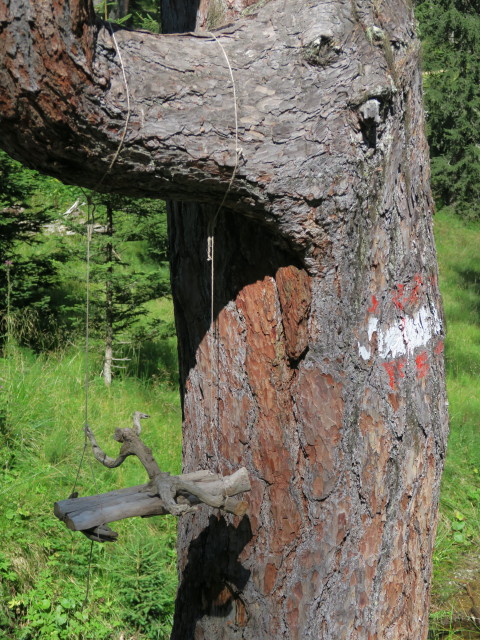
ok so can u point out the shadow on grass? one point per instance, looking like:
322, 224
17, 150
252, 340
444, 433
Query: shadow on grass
470, 279
155, 360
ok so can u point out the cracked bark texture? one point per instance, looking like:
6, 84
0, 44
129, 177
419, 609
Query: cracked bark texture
326, 377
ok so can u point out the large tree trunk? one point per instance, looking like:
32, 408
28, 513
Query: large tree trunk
324, 376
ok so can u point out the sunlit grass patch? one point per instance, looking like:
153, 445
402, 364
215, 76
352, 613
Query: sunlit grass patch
43, 566
458, 535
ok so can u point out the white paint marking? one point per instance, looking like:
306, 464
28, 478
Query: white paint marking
365, 353
409, 333
372, 327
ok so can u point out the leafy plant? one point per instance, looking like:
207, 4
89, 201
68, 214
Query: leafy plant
147, 589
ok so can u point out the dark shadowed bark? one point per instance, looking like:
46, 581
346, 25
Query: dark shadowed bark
325, 374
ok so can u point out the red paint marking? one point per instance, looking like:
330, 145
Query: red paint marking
397, 297
413, 299
422, 364
374, 306
409, 294
394, 369
390, 369
439, 347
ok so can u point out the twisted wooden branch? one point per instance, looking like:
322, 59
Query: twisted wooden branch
161, 495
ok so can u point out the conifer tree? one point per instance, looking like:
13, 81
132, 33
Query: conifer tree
120, 290
24, 281
450, 30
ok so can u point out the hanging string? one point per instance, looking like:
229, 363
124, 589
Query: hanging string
90, 225
87, 314
129, 111
215, 362
237, 148
89, 571
90, 218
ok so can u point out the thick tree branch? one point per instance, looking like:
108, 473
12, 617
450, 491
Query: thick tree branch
300, 82
164, 493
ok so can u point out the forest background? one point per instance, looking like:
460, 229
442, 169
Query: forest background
44, 239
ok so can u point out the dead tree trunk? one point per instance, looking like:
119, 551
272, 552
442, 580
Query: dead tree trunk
325, 377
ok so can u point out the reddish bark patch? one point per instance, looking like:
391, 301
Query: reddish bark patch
82, 15
270, 577
394, 401
439, 347
374, 458
269, 377
241, 617
284, 512
319, 415
294, 292
294, 603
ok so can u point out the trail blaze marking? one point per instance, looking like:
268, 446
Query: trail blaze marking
394, 369
422, 364
390, 369
398, 297
374, 306
402, 337
401, 296
413, 298
397, 342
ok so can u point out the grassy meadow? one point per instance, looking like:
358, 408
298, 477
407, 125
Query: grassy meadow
43, 566
456, 560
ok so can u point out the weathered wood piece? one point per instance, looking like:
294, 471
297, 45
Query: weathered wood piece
84, 513
161, 495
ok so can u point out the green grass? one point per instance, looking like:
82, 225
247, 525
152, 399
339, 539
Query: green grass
459, 528
43, 566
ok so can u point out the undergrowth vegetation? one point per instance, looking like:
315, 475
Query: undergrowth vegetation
43, 565
456, 553
45, 568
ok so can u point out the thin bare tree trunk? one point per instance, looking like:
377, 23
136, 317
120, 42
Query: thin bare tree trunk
109, 311
324, 376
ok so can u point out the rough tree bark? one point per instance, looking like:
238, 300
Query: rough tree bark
326, 379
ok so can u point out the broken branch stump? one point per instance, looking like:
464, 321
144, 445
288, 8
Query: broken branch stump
161, 495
